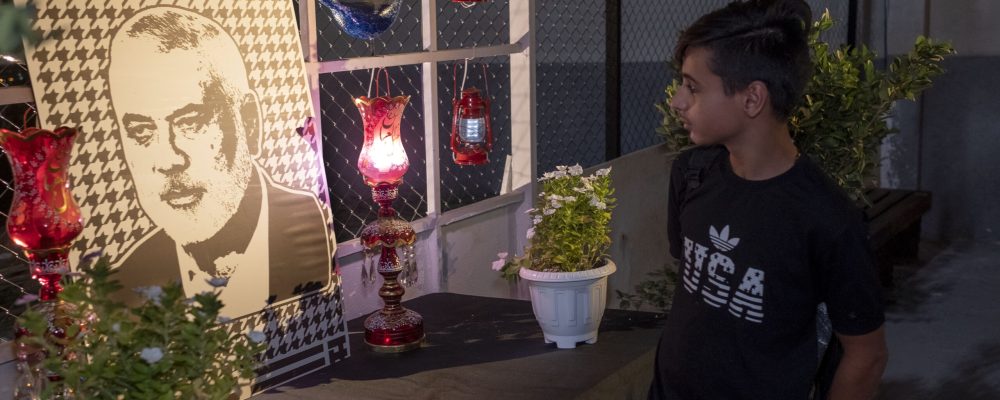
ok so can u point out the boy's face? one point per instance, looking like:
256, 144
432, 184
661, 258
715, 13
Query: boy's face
708, 114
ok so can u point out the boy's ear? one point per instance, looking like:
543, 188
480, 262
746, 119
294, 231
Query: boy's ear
755, 98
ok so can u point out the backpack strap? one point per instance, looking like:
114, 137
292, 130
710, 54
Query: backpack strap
701, 158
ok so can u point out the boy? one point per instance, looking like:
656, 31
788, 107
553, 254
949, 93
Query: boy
763, 235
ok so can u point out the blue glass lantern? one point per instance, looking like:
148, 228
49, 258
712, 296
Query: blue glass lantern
364, 19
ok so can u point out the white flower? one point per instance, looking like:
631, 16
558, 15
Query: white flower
603, 172
582, 190
151, 354
576, 170
537, 220
218, 281
531, 233
547, 176
597, 203
152, 293
256, 336
549, 211
559, 174
561, 168
116, 327
27, 298
499, 263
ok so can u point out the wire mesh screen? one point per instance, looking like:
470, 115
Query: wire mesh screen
480, 24
570, 79
343, 135
839, 11
649, 31
403, 36
463, 185
15, 280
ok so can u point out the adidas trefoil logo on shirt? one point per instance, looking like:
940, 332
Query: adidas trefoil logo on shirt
721, 240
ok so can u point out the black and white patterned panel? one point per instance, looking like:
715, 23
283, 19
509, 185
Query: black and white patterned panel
70, 76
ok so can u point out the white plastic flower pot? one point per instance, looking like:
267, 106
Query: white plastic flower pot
569, 305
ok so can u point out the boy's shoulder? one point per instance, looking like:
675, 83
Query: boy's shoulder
828, 200
698, 156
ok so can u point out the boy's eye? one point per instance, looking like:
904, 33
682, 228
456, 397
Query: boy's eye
690, 88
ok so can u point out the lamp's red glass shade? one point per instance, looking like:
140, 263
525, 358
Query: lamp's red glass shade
471, 132
43, 220
383, 158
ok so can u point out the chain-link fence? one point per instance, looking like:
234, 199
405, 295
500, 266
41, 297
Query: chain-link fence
343, 132
458, 27
572, 66
464, 185
649, 30
480, 25
15, 279
571, 83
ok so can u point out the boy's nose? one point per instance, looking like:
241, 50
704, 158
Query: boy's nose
677, 103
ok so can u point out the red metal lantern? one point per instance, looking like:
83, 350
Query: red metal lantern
471, 131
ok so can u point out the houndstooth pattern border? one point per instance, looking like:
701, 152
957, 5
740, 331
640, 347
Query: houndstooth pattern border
301, 335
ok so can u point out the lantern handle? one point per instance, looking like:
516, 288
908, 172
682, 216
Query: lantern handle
454, 78
375, 71
465, 74
486, 81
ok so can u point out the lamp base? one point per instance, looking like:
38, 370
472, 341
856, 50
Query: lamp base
394, 332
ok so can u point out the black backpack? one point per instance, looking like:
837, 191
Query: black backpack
830, 348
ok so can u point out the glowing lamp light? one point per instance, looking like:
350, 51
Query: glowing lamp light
383, 159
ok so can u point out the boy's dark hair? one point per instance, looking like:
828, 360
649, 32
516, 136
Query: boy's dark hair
756, 40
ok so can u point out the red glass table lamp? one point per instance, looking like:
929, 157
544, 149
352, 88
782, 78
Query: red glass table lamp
383, 162
43, 220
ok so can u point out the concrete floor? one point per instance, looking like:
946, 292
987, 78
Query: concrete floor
943, 325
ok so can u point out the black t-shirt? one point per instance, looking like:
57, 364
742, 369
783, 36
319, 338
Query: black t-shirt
756, 258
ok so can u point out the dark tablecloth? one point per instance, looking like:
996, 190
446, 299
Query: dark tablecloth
490, 348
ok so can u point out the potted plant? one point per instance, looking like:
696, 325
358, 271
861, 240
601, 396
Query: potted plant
565, 261
170, 346
840, 123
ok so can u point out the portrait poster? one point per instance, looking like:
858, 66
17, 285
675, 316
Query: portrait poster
190, 165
